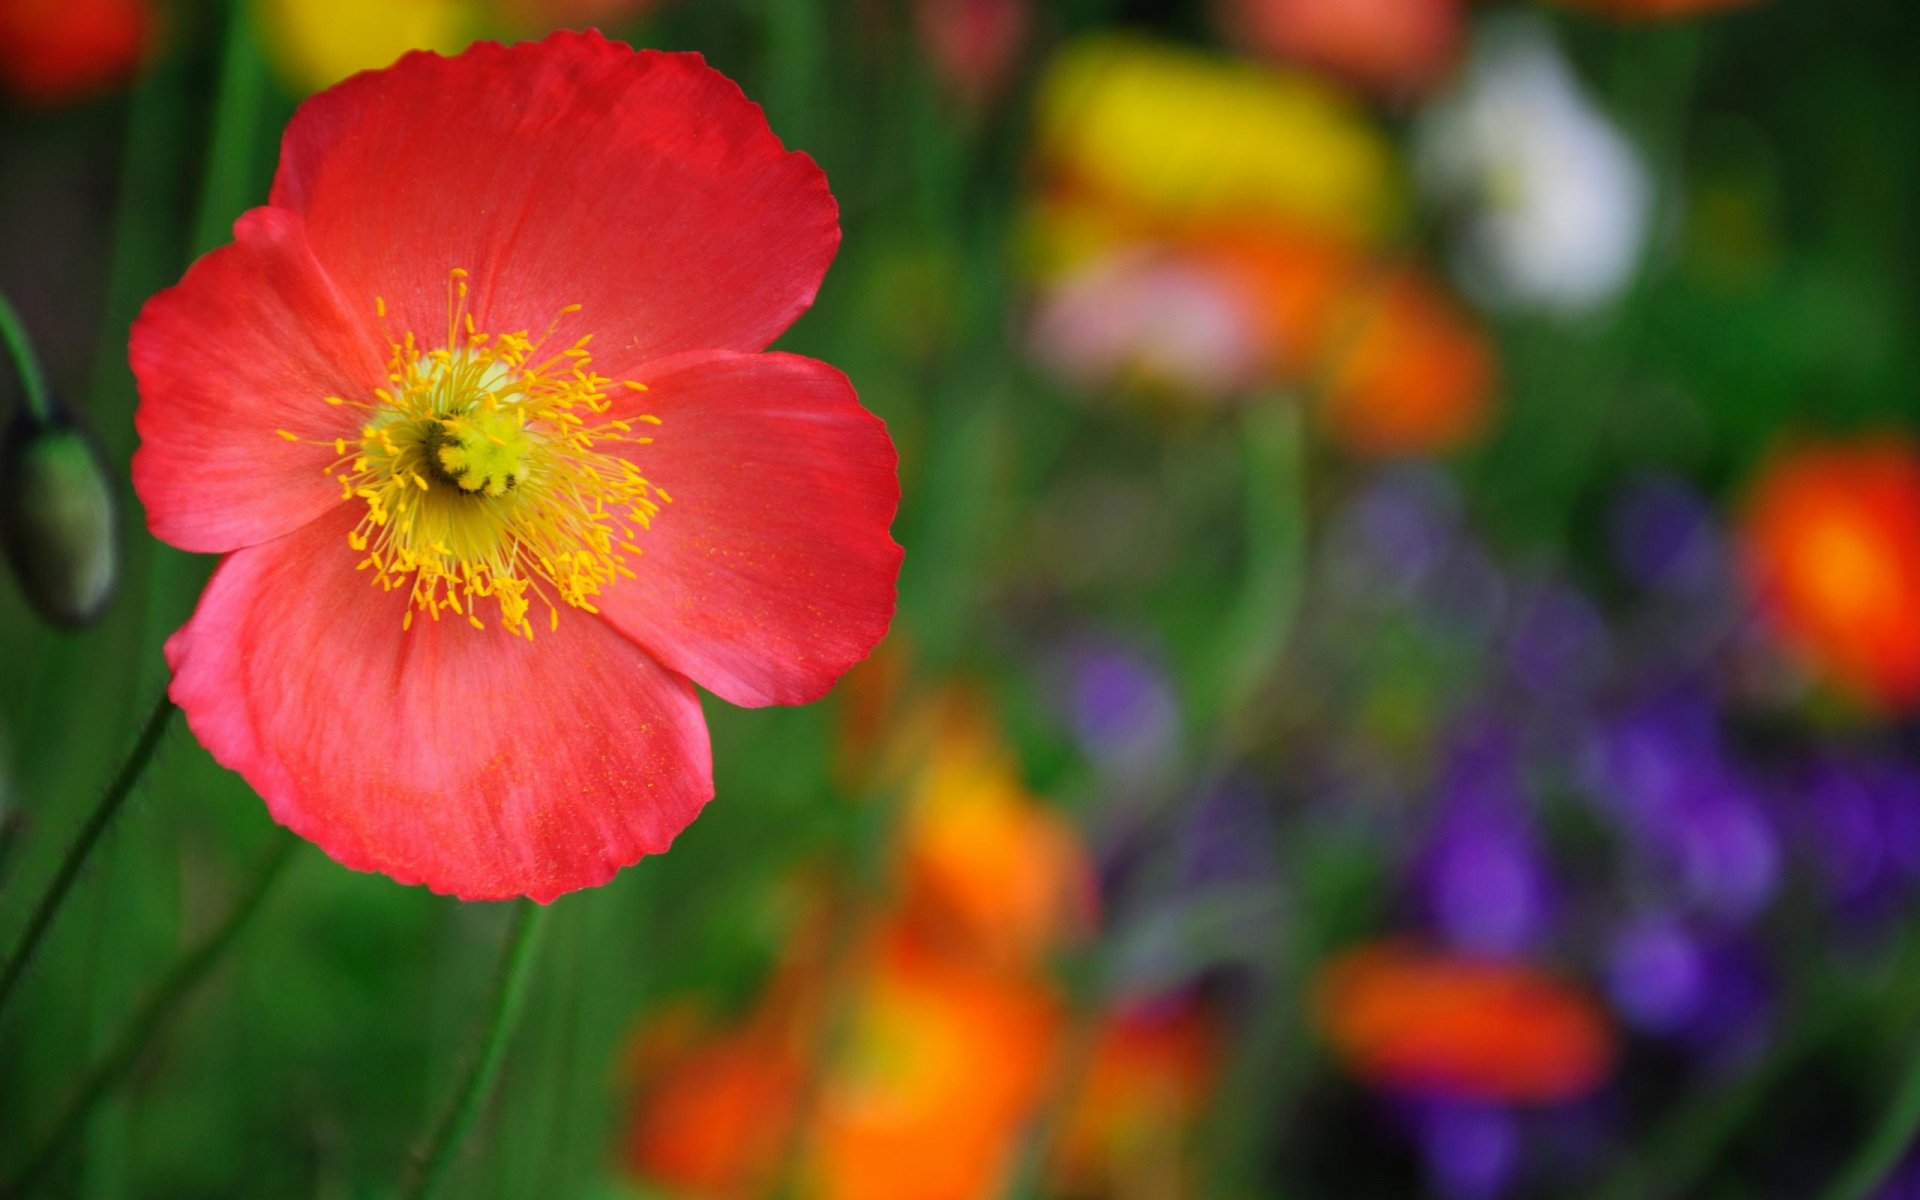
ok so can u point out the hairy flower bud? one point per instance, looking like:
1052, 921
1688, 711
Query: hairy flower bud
59, 523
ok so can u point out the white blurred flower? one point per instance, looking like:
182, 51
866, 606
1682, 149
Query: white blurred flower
1148, 317
1555, 199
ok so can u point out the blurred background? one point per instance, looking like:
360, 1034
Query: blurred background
1403, 684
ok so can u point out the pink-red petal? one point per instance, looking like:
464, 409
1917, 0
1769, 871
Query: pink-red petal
771, 570
479, 764
251, 342
642, 185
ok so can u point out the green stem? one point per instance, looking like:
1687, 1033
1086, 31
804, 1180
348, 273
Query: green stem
139, 1033
511, 979
102, 815
1255, 631
33, 381
1881, 1152
238, 105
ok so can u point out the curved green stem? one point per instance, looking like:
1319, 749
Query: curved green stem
139, 1033
511, 980
1254, 632
111, 801
33, 381
1880, 1154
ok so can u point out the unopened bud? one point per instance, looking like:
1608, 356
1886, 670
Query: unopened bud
59, 524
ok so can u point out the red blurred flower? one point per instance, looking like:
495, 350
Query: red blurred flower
1462, 1028
974, 46
1154, 1065
1832, 540
55, 50
475, 410
1410, 373
1392, 46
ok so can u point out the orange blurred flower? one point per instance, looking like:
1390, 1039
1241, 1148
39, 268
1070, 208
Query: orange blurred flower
717, 1113
1462, 1028
1392, 46
945, 1062
1832, 541
1154, 1065
1410, 373
58, 50
1293, 277
987, 869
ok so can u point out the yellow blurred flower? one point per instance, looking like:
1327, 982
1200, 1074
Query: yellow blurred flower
314, 44
1183, 138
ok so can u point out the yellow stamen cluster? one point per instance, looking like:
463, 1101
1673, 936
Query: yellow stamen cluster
486, 472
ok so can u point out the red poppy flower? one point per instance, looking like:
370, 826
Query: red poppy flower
1832, 542
1462, 1028
475, 407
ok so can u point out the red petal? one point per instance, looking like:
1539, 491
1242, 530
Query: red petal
479, 764
771, 571
641, 185
251, 342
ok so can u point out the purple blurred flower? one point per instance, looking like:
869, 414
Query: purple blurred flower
1556, 642
1229, 837
1470, 1150
1666, 981
1396, 533
1726, 850
1481, 877
1665, 537
1119, 705
1859, 820
1657, 976
1686, 808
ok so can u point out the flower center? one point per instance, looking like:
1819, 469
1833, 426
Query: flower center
480, 452
492, 475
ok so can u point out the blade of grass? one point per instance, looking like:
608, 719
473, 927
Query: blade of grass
110, 804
